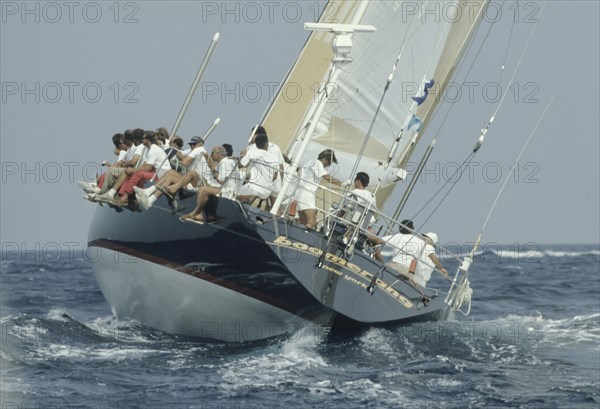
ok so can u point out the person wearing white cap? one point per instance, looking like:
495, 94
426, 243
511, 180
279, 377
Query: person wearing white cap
312, 173
428, 261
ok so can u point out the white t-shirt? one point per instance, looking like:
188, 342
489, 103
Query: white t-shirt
200, 166
406, 247
224, 168
365, 197
195, 165
425, 266
311, 175
141, 151
292, 176
263, 165
129, 153
122, 155
157, 157
273, 148
230, 177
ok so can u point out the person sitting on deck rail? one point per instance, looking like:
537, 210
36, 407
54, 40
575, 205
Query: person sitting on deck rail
428, 261
262, 164
276, 151
162, 135
110, 179
311, 175
213, 174
413, 257
196, 171
153, 161
120, 150
195, 143
174, 146
228, 179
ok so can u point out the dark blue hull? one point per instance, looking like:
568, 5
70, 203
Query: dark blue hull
247, 257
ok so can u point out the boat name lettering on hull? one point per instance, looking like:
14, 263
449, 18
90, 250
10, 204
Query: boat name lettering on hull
282, 241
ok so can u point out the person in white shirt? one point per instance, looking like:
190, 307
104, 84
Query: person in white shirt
311, 175
263, 166
117, 173
194, 143
428, 261
363, 197
412, 257
227, 180
361, 181
197, 173
215, 173
120, 150
154, 161
274, 150
162, 135
406, 248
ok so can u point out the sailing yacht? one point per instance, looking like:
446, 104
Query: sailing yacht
257, 274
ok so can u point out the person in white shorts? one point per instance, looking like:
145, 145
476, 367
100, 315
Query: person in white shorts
263, 165
311, 175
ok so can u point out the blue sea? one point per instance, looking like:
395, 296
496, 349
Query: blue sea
532, 340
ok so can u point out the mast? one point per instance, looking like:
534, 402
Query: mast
342, 47
297, 97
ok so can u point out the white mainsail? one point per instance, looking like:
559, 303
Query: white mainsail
432, 35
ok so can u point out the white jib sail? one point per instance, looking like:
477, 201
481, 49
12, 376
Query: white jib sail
432, 36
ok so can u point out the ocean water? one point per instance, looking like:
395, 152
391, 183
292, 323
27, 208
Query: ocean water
532, 340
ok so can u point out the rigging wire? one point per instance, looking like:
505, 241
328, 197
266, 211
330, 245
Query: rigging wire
484, 131
462, 294
435, 113
368, 136
396, 143
503, 66
461, 168
487, 219
487, 34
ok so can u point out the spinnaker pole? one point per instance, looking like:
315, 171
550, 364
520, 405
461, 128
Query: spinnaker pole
192, 90
191, 93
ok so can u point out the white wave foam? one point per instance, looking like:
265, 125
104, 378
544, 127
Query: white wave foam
381, 341
58, 314
378, 340
535, 254
360, 389
535, 329
118, 353
297, 356
445, 382
525, 254
323, 388
121, 331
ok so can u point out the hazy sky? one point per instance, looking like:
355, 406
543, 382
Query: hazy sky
73, 74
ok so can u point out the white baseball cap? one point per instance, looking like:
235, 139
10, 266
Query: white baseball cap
432, 236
